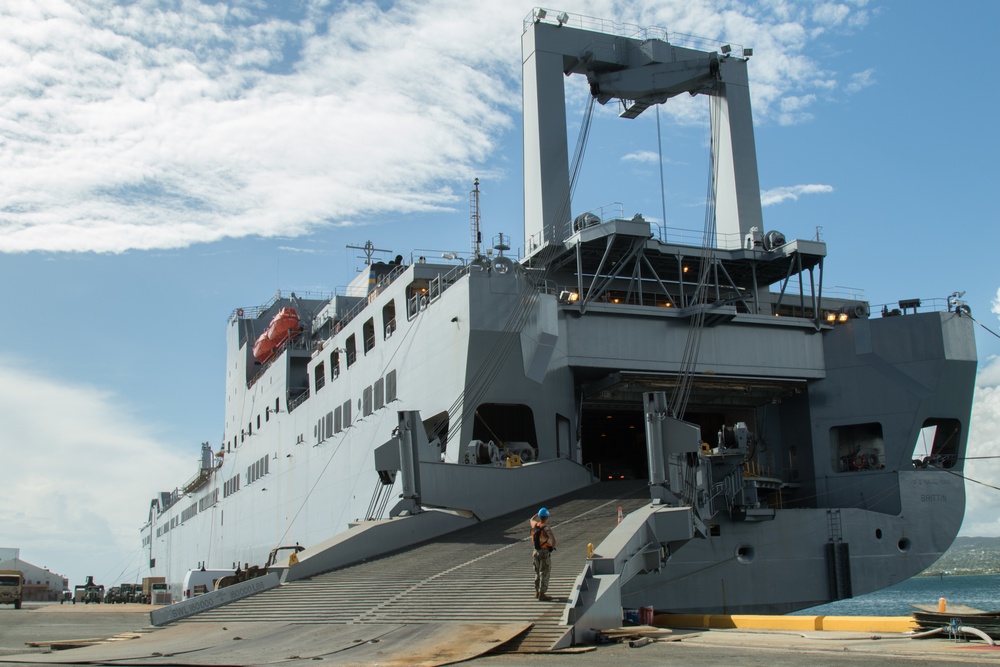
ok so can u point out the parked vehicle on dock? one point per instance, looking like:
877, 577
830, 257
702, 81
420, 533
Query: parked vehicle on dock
199, 582
11, 587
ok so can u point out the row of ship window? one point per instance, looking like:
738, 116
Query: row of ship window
248, 431
374, 397
350, 352
350, 349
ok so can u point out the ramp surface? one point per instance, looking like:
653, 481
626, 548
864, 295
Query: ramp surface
425, 645
482, 574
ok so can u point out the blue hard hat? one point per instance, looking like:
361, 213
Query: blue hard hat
543, 512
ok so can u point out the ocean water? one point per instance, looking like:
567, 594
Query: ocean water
981, 591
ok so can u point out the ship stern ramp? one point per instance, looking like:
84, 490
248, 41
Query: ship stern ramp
481, 574
449, 497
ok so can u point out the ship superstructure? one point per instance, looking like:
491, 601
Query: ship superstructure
798, 447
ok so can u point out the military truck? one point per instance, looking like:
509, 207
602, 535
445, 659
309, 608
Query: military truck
151, 585
88, 592
11, 587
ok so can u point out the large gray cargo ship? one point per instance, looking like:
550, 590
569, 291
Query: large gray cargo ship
799, 448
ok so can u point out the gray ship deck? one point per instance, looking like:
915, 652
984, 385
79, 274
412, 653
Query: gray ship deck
480, 574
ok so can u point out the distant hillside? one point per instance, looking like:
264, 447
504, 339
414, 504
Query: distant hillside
969, 555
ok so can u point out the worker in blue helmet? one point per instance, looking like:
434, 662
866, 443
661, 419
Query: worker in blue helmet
543, 540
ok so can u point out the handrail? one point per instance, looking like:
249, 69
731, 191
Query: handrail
631, 30
905, 306
251, 312
295, 340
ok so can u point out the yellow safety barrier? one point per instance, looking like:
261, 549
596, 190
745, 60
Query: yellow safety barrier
795, 623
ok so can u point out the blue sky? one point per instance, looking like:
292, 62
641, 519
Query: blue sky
162, 163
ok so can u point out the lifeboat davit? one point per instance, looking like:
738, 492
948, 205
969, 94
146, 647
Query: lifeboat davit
285, 322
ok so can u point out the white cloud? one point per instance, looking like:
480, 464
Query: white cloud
79, 473
642, 157
793, 192
861, 80
162, 124
793, 109
831, 13
981, 517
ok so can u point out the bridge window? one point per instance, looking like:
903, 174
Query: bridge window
389, 318
352, 350
368, 331
320, 375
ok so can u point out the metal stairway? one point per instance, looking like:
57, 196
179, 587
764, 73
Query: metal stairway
480, 574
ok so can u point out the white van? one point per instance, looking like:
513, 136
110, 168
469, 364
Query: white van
199, 582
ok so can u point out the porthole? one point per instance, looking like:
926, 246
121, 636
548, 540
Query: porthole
878, 533
744, 554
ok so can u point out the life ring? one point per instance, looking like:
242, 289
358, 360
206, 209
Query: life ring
859, 462
239, 312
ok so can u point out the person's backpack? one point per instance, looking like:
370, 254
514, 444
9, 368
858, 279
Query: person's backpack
536, 536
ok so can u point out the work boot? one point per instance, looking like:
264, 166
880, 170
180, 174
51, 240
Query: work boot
542, 597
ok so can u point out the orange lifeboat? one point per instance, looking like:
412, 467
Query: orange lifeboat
263, 348
284, 323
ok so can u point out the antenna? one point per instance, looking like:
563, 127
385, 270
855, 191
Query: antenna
477, 235
369, 250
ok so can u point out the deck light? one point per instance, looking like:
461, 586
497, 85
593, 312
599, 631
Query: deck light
566, 296
726, 49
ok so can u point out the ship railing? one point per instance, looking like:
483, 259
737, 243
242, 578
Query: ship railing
629, 30
835, 292
297, 340
697, 238
380, 286
913, 306
438, 285
251, 312
569, 294
296, 399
